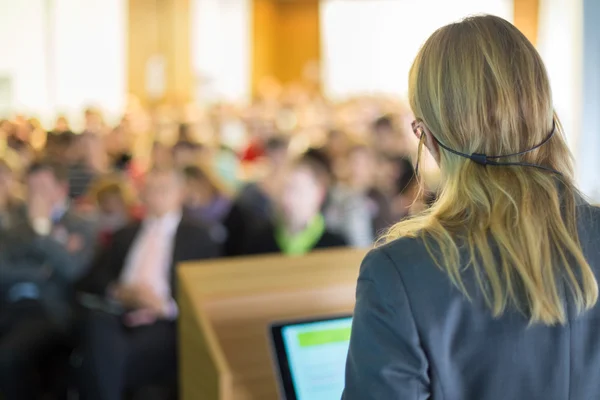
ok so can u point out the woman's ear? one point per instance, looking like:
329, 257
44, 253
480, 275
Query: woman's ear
417, 133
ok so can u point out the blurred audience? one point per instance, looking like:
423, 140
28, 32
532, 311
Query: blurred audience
349, 211
9, 202
206, 200
112, 201
82, 163
257, 197
93, 222
44, 248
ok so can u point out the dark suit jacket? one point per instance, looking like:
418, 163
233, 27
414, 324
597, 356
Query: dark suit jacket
43, 262
20, 240
192, 242
416, 337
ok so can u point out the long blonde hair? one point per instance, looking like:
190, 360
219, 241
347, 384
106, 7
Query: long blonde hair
480, 86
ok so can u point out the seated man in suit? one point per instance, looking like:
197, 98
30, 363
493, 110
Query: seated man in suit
132, 347
44, 247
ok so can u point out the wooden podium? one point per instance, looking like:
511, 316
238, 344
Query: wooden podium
226, 307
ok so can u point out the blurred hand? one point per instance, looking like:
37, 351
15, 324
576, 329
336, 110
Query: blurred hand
140, 297
143, 316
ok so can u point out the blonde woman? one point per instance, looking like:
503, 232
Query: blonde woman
491, 293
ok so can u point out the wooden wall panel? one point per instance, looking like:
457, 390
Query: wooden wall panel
264, 21
142, 43
160, 27
298, 38
526, 18
286, 37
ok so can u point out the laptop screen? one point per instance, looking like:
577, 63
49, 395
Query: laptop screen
315, 355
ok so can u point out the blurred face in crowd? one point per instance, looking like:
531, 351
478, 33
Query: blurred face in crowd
199, 192
23, 129
6, 126
44, 185
26, 156
361, 168
6, 182
76, 150
113, 210
93, 121
163, 193
184, 156
62, 125
337, 143
277, 157
302, 197
161, 156
386, 139
112, 203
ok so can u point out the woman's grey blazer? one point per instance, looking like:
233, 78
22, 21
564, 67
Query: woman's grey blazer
416, 337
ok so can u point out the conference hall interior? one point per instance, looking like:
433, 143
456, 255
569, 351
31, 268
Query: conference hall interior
188, 187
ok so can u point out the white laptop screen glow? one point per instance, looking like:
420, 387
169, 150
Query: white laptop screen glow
317, 357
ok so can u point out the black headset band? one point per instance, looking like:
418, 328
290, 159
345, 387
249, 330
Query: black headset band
483, 159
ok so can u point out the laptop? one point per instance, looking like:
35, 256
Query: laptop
310, 357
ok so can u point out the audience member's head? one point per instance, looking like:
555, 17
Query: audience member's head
94, 121
385, 138
6, 127
185, 133
6, 183
61, 125
304, 192
185, 154
47, 182
337, 143
122, 162
163, 191
276, 151
94, 151
161, 156
114, 200
76, 152
321, 159
361, 167
26, 155
383, 126
58, 146
201, 187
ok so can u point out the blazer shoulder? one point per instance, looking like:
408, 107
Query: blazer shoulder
405, 249
588, 216
389, 260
